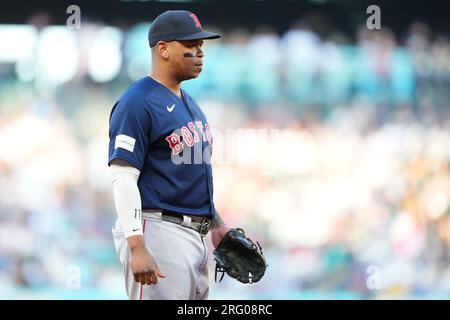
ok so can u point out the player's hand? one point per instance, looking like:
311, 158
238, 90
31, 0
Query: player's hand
218, 233
144, 267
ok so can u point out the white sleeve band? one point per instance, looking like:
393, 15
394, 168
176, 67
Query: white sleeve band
127, 199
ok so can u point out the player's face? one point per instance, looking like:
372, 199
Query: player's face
187, 58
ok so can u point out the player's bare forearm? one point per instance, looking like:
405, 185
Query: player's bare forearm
218, 229
217, 221
136, 243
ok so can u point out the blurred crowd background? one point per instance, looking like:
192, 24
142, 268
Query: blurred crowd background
337, 161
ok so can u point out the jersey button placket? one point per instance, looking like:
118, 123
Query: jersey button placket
208, 175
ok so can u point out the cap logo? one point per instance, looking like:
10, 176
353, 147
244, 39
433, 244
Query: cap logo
197, 22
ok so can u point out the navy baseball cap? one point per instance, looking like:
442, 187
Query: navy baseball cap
177, 25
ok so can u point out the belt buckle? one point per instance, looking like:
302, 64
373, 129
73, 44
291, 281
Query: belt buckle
204, 227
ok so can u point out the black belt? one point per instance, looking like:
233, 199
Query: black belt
198, 223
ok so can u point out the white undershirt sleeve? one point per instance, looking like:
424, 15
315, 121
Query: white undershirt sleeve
127, 199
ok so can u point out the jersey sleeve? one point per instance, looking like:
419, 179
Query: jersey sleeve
129, 130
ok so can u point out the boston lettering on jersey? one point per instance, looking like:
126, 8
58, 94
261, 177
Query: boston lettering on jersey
189, 136
161, 126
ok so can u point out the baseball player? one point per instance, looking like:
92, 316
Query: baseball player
159, 155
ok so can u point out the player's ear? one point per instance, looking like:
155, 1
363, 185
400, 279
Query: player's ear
162, 49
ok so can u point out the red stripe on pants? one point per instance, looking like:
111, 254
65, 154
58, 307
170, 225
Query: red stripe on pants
143, 231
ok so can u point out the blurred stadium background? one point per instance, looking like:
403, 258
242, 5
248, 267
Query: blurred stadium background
351, 200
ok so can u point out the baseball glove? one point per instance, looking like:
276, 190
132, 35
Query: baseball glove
239, 257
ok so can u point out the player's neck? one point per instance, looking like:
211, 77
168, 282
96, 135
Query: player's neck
168, 82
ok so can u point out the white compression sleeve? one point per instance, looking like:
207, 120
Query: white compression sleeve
127, 199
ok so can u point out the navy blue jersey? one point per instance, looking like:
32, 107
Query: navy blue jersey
168, 139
